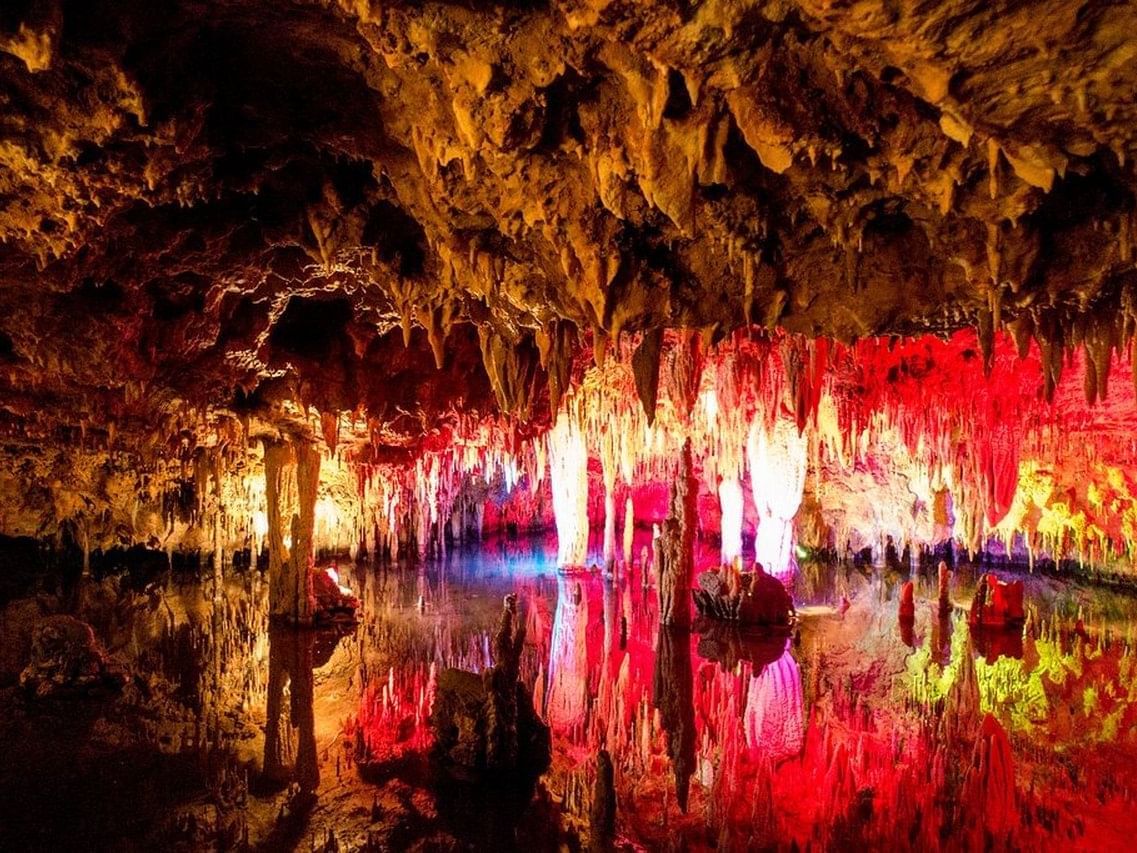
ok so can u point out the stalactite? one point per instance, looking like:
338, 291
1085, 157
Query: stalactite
777, 474
730, 502
686, 370
568, 476
645, 367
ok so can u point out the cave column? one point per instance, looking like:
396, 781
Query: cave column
290, 571
568, 475
777, 457
676, 546
303, 529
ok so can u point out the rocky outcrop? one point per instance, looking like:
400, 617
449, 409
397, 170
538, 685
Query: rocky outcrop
746, 598
67, 661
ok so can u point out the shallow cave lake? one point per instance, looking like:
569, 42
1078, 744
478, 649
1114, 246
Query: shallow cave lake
853, 726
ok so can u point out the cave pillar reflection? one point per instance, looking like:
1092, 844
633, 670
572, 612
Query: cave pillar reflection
774, 718
673, 695
777, 457
567, 704
291, 664
568, 476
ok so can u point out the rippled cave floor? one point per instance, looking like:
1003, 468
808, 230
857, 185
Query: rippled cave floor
851, 732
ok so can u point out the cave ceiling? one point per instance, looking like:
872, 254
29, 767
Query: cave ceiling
411, 209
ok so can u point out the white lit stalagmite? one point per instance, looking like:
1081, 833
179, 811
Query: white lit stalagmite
730, 502
777, 474
568, 475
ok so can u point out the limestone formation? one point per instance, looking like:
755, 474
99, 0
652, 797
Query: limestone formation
346, 196
66, 660
676, 547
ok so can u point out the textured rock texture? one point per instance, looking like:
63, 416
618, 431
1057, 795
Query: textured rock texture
228, 205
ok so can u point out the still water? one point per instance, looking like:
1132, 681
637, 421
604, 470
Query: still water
852, 730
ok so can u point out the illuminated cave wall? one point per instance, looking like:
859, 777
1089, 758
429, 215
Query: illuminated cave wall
918, 441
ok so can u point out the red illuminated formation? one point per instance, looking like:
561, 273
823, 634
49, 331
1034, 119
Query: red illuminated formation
997, 603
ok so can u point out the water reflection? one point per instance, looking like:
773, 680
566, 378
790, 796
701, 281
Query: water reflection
673, 692
850, 730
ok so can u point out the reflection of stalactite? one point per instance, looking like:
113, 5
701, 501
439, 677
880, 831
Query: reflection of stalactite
988, 801
674, 695
567, 702
775, 713
291, 663
676, 546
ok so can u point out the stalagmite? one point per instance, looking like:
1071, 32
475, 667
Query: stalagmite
629, 531
676, 546
608, 464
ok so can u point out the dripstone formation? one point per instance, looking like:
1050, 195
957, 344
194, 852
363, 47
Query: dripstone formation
412, 209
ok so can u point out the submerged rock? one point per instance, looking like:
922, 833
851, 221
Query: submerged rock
66, 659
334, 602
